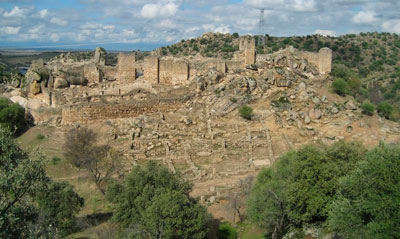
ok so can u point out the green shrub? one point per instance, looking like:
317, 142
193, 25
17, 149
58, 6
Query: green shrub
12, 116
367, 108
55, 160
385, 109
40, 136
246, 112
339, 86
233, 100
226, 231
235, 35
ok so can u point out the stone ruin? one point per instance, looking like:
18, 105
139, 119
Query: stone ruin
183, 111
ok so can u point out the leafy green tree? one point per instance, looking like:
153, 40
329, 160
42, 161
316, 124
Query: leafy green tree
58, 204
246, 112
367, 108
314, 179
339, 86
267, 204
385, 109
235, 35
26, 192
368, 202
152, 202
12, 116
226, 231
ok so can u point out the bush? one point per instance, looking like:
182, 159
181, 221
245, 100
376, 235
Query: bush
235, 35
153, 202
385, 109
233, 100
226, 231
12, 116
40, 137
367, 108
339, 86
368, 204
246, 112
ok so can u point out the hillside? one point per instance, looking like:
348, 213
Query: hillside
368, 62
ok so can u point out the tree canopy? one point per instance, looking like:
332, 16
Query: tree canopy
31, 204
152, 202
368, 202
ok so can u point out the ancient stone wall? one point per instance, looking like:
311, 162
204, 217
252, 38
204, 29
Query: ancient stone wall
248, 47
151, 69
86, 113
92, 73
322, 59
173, 72
231, 66
126, 67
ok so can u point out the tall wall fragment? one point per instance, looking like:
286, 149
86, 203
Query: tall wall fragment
151, 69
322, 59
126, 67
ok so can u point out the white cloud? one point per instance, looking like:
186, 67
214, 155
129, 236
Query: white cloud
167, 24
159, 10
325, 32
392, 26
10, 30
58, 21
37, 29
17, 12
43, 13
365, 17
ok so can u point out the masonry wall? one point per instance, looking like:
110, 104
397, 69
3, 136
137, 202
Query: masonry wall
322, 59
126, 67
91, 73
86, 113
173, 72
151, 69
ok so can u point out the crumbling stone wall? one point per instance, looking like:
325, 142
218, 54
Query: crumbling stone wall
322, 59
248, 48
173, 72
88, 113
126, 67
92, 73
151, 69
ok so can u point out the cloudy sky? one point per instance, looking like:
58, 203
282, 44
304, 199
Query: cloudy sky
146, 24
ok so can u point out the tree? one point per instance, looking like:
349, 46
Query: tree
12, 116
368, 201
267, 202
152, 202
385, 109
367, 108
246, 112
58, 204
339, 86
22, 182
237, 200
81, 150
314, 179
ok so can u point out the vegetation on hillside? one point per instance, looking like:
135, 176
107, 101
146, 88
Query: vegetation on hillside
12, 116
152, 202
31, 204
342, 188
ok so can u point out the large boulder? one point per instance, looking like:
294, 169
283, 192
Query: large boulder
32, 76
77, 80
35, 88
60, 83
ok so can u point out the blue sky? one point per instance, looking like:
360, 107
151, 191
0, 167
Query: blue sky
147, 24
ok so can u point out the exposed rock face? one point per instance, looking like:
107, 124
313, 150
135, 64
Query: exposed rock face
32, 76
60, 83
35, 87
100, 56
